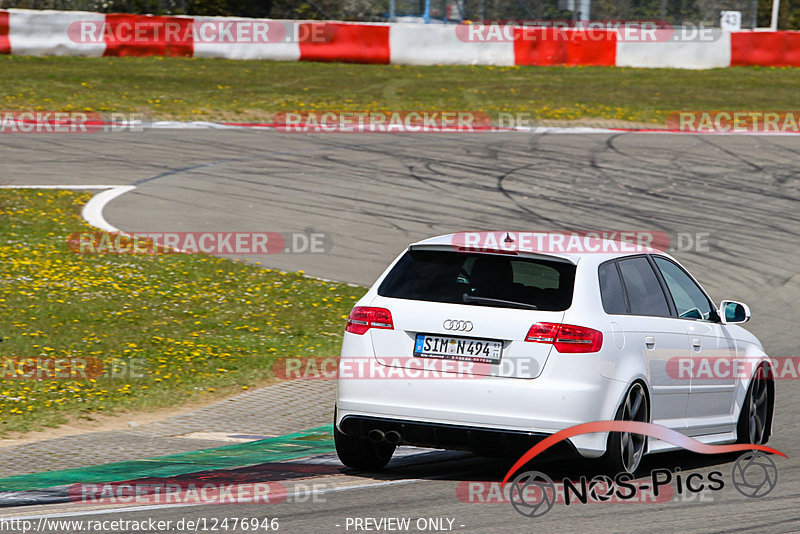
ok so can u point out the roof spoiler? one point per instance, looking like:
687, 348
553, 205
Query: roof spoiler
493, 251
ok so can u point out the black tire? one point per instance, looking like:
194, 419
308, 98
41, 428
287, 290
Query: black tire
361, 453
755, 418
624, 450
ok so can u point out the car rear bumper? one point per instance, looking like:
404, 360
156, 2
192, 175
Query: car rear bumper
497, 406
458, 437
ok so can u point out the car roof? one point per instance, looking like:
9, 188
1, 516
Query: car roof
573, 247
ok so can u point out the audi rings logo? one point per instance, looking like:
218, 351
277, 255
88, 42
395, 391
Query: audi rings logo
458, 326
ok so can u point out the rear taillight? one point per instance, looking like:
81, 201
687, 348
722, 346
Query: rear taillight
362, 318
566, 337
542, 333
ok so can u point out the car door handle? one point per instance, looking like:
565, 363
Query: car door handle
696, 343
650, 342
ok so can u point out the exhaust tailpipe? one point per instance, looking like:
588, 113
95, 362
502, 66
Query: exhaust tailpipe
393, 437
376, 436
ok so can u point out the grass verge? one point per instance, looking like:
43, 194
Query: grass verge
216, 89
171, 327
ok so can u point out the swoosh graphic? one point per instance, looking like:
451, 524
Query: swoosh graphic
636, 427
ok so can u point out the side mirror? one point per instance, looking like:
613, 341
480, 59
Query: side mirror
732, 312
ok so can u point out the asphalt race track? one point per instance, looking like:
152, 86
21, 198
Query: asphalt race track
372, 194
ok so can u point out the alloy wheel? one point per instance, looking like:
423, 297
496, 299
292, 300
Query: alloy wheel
632, 445
757, 407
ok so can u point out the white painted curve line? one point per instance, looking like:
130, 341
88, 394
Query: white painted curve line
93, 210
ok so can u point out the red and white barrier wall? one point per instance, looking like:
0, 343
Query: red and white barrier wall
27, 32
45, 33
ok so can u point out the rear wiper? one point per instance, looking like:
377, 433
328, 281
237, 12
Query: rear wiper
486, 300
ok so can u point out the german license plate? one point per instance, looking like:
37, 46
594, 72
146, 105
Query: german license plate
458, 348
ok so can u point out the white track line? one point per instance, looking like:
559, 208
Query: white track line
139, 126
93, 210
200, 125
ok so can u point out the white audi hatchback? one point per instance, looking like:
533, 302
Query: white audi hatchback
493, 343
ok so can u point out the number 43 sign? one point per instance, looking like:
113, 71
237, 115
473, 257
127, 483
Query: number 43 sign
730, 21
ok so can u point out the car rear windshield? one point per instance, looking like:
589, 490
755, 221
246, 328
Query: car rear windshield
480, 279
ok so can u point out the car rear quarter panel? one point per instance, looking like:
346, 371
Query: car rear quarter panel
620, 358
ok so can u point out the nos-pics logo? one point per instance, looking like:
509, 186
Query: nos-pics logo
533, 493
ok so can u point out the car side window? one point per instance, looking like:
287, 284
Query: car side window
611, 291
690, 301
645, 296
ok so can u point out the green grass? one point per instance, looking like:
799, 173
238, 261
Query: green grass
215, 89
194, 326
